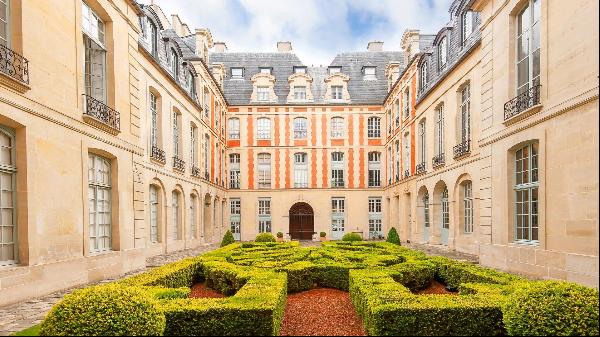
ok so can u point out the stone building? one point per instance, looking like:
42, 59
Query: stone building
125, 134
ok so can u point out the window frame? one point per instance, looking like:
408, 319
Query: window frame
262, 93
337, 92
264, 215
532, 79
337, 170
234, 171
530, 166
374, 169
301, 170
236, 77
338, 126
374, 127
375, 216
442, 51
263, 170
94, 187
263, 128
468, 208
10, 168
234, 128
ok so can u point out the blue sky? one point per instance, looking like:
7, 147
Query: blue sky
318, 29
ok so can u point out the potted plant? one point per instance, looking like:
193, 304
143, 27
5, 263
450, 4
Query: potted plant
322, 236
279, 237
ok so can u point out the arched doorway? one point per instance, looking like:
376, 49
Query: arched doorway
302, 221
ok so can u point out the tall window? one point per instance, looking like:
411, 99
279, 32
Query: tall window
206, 156
406, 102
468, 23
153, 38
234, 171
465, 114
443, 53
374, 169
337, 127
193, 145
374, 127
4, 23
263, 128
8, 225
234, 128
99, 190
173, 63
262, 94
528, 46
336, 92
264, 170
176, 128
423, 76
300, 128
375, 229
397, 112
264, 215
338, 214
389, 165
299, 93
154, 207
397, 160
176, 216
300, 170
154, 116
206, 103
426, 213
468, 206
407, 162
337, 169
190, 84
439, 130
94, 72
235, 216
422, 142
193, 212
445, 209
526, 193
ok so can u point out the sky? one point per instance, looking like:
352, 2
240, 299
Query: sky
318, 29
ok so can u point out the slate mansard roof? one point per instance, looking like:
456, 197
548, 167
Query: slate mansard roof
238, 92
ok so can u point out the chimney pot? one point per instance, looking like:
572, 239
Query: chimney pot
375, 46
284, 46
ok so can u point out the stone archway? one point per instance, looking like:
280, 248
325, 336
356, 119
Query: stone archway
302, 221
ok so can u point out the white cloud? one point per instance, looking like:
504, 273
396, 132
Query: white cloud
318, 29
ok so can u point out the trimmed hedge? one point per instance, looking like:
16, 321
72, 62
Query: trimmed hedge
393, 237
109, 310
552, 308
265, 237
351, 237
227, 239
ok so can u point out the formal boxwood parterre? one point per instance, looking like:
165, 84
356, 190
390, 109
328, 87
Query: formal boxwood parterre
382, 279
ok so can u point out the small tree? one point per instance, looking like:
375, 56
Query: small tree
227, 239
393, 237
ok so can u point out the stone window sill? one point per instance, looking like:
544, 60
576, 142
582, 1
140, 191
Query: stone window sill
11, 83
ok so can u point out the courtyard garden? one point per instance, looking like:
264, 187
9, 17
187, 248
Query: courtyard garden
340, 288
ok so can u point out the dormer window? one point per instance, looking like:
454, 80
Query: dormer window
262, 94
190, 83
369, 73
237, 73
299, 70
299, 93
468, 24
265, 70
423, 76
443, 53
173, 63
335, 70
337, 92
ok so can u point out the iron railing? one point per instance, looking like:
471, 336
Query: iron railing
178, 164
420, 168
195, 171
14, 65
462, 149
522, 102
438, 160
158, 154
101, 112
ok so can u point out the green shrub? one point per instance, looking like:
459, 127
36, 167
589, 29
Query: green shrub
109, 310
265, 237
552, 308
280, 235
322, 234
227, 239
393, 237
352, 237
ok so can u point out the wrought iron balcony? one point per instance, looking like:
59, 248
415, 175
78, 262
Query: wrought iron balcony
420, 168
438, 160
178, 164
196, 171
158, 154
406, 173
522, 102
101, 112
14, 65
462, 149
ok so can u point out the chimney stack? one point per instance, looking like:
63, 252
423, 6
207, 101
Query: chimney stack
284, 46
375, 46
220, 47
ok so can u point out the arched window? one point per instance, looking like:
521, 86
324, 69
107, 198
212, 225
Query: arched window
467, 193
264, 170
154, 213
99, 187
176, 216
337, 127
234, 128
374, 127
300, 128
263, 128
374, 169
423, 76
8, 173
443, 53
301, 170
174, 63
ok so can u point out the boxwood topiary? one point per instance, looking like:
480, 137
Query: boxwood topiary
108, 310
352, 237
265, 237
393, 237
552, 308
227, 239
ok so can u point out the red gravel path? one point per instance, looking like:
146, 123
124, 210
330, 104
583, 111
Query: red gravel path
200, 290
436, 288
321, 312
